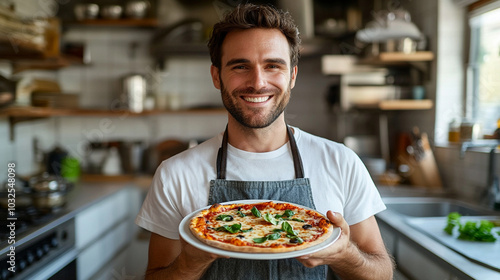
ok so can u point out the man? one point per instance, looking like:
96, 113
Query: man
254, 53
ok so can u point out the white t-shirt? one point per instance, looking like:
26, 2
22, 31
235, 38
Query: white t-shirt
339, 180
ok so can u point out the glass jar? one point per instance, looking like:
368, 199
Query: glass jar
454, 132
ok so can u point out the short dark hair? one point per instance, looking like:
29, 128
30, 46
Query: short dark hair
247, 16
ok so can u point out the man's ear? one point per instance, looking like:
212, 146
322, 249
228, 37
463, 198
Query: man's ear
293, 76
214, 71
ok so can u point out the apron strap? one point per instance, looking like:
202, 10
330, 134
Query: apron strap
222, 156
297, 160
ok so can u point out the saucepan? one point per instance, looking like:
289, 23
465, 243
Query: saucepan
49, 192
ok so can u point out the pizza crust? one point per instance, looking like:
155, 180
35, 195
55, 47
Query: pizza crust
198, 228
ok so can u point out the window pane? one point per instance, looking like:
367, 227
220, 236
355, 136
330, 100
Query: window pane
485, 60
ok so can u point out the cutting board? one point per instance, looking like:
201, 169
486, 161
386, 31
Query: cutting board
485, 253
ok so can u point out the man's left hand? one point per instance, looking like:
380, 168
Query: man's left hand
334, 252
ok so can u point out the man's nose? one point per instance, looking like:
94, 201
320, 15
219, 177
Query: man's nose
257, 79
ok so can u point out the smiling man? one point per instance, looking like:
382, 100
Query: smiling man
254, 52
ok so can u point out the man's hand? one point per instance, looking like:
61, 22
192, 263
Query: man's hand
329, 254
176, 259
191, 254
359, 253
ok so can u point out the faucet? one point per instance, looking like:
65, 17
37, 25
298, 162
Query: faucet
492, 192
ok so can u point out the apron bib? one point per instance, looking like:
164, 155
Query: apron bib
295, 191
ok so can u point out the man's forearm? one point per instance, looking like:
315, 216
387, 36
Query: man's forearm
356, 264
180, 268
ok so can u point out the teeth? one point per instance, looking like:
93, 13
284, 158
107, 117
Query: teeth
257, 99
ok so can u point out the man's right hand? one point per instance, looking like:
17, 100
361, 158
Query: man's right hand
195, 255
176, 259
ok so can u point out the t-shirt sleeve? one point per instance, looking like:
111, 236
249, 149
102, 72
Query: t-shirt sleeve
362, 197
159, 212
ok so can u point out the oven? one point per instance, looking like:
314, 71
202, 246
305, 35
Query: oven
42, 251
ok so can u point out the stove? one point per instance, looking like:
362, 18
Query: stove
32, 241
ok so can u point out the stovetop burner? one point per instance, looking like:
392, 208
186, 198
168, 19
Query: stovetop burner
26, 218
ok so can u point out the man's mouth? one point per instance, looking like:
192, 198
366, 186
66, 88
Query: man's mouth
256, 99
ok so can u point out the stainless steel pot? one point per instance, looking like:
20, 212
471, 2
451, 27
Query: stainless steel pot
50, 200
134, 89
49, 192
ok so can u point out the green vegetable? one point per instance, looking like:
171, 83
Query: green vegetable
256, 212
246, 230
470, 230
240, 214
277, 230
270, 219
297, 220
260, 240
232, 229
272, 236
453, 220
225, 218
289, 213
288, 229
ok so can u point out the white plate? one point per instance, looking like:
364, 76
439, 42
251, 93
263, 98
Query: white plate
188, 236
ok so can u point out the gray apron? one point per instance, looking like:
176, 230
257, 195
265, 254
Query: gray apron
295, 191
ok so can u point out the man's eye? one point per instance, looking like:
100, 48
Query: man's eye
273, 66
239, 67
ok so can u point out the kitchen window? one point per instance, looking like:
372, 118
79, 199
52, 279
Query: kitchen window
483, 83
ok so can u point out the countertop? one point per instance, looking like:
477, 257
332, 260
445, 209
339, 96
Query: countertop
454, 262
81, 197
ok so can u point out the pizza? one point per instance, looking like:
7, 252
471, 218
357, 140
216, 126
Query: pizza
263, 227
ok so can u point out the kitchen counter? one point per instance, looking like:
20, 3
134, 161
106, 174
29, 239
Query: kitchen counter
82, 197
400, 237
94, 226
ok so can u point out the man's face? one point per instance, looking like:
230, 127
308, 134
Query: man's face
255, 78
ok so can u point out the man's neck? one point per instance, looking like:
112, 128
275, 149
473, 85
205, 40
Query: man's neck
258, 140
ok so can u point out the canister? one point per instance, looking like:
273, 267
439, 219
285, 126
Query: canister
134, 90
469, 131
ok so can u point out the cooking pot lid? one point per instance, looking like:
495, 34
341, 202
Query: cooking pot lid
49, 183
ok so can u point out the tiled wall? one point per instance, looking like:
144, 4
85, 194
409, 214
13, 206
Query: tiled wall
466, 176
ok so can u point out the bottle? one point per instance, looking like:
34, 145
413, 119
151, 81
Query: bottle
112, 164
496, 134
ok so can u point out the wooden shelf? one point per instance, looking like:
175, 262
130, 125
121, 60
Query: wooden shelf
125, 22
399, 104
41, 112
399, 57
19, 114
51, 63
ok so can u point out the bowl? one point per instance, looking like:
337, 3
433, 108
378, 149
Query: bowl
375, 166
111, 11
136, 9
86, 11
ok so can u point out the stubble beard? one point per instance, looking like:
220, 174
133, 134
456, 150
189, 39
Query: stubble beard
254, 117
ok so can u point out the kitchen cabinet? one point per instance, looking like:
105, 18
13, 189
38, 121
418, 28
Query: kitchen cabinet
410, 258
104, 229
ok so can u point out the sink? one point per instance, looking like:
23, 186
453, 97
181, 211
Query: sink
428, 215
435, 207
